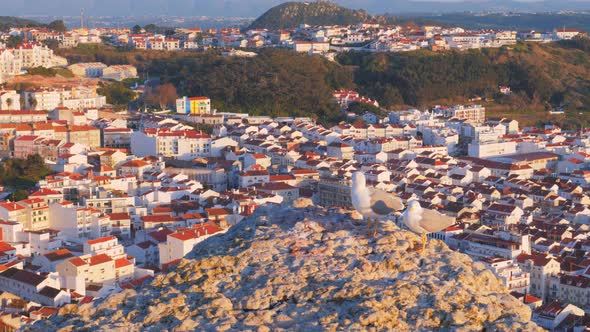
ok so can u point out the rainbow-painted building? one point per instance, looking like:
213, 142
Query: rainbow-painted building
193, 105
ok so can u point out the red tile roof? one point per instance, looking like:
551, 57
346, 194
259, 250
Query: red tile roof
122, 262
100, 240
276, 186
160, 236
11, 206
217, 212
45, 192
58, 255
119, 216
159, 219
77, 261
99, 259
5, 247
135, 163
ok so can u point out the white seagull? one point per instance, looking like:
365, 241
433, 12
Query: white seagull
372, 202
423, 221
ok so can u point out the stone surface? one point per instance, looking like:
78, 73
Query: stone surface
308, 269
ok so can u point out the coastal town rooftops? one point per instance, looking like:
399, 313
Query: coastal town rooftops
11, 206
160, 235
551, 309
196, 232
58, 255
99, 259
23, 276
101, 240
122, 262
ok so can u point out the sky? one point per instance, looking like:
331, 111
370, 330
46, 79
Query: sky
253, 8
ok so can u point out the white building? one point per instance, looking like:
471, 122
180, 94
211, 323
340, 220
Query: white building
566, 33
48, 262
42, 99
491, 149
551, 314
28, 55
78, 223
311, 47
541, 269
33, 287
181, 144
108, 245
499, 245
510, 273
119, 72
9, 100
471, 113
88, 69
76, 98
180, 243
78, 272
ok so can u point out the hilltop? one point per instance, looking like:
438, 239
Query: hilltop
310, 270
292, 14
7, 22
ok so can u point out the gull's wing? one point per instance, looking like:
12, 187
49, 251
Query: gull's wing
384, 203
433, 221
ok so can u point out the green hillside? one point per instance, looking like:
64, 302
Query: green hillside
541, 76
292, 14
7, 22
282, 82
277, 82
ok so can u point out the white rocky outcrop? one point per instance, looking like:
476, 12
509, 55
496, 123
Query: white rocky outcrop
305, 269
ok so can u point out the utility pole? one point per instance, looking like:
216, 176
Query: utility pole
82, 18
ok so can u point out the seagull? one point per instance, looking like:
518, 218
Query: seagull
423, 221
372, 202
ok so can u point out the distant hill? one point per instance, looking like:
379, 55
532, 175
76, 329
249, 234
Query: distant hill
7, 22
514, 21
293, 14
236, 8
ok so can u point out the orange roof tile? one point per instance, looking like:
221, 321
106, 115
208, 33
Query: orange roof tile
100, 240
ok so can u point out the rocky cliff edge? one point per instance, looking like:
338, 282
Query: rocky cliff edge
310, 270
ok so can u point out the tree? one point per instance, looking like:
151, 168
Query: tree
359, 108
169, 32
136, 29
19, 195
201, 127
42, 71
162, 95
58, 26
358, 121
276, 80
23, 173
150, 28
14, 41
117, 93
52, 43
32, 102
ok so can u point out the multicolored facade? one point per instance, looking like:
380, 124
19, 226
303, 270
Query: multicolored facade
193, 105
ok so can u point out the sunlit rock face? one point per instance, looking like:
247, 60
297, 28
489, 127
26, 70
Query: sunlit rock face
309, 269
